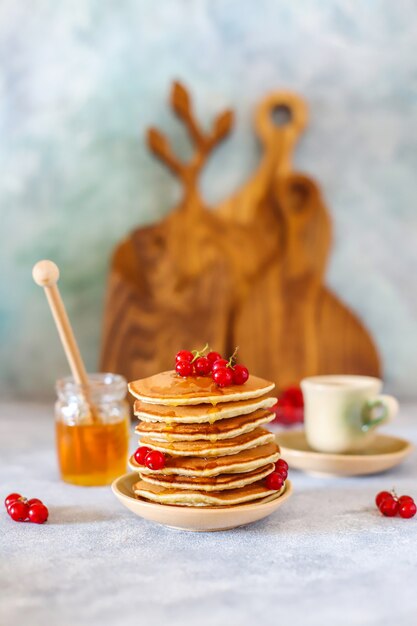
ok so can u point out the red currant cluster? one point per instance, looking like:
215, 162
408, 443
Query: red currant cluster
277, 478
20, 509
224, 373
390, 505
290, 406
152, 459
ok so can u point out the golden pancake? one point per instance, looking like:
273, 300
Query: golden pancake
244, 461
213, 483
181, 497
222, 447
223, 429
199, 413
168, 388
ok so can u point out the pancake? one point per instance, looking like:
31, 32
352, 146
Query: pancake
167, 388
244, 461
213, 483
222, 447
222, 429
228, 497
199, 413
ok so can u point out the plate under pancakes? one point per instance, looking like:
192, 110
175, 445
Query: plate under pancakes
216, 452
167, 388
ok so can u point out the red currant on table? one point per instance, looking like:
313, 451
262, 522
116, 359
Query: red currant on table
240, 374
155, 460
219, 363
202, 366
38, 513
18, 511
407, 509
11, 498
184, 368
223, 377
184, 355
381, 496
274, 481
389, 507
213, 357
34, 501
403, 499
140, 454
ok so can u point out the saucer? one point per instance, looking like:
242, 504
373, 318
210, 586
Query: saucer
198, 519
385, 452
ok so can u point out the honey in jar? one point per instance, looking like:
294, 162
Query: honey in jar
92, 437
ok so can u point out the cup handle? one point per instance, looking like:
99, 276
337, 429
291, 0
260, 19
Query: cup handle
378, 411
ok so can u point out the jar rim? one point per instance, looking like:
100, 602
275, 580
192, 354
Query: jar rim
98, 383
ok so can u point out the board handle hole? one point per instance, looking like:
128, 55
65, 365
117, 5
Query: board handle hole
281, 115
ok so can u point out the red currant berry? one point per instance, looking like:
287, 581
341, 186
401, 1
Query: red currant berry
202, 366
407, 509
282, 472
213, 357
34, 501
223, 377
155, 460
38, 513
11, 498
218, 363
281, 464
381, 497
140, 455
184, 355
274, 481
403, 499
240, 374
389, 507
184, 368
18, 511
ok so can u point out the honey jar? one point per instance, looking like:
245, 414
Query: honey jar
92, 429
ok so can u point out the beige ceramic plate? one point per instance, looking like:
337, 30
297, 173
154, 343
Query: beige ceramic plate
194, 518
384, 453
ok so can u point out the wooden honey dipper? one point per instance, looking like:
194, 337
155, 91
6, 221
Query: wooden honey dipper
46, 274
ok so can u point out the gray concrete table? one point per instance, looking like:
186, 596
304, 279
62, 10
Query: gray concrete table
326, 557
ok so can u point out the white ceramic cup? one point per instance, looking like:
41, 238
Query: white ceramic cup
341, 413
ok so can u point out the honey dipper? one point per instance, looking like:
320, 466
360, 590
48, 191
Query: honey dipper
45, 274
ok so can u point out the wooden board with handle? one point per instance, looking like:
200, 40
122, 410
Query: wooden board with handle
249, 272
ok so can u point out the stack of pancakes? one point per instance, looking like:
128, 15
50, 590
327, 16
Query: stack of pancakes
217, 452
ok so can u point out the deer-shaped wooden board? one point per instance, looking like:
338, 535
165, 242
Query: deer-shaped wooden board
247, 273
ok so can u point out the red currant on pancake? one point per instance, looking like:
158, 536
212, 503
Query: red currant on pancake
202, 366
18, 511
274, 481
389, 507
38, 513
218, 363
11, 498
240, 374
140, 454
184, 368
407, 509
34, 501
184, 355
381, 496
281, 464
213, 357
155, 460
223, 377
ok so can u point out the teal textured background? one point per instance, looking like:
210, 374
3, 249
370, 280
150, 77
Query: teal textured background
82, 79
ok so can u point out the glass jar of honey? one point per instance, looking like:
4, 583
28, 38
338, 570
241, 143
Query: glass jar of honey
92, 429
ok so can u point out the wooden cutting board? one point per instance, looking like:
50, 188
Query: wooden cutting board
248, 273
